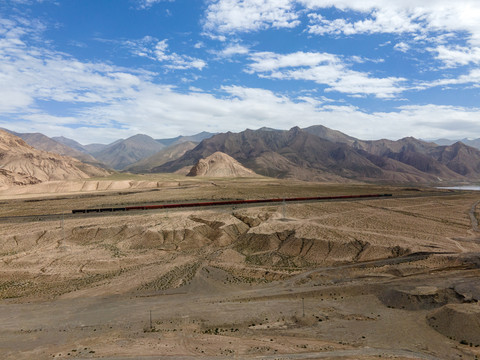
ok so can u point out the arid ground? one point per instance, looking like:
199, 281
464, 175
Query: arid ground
393, 277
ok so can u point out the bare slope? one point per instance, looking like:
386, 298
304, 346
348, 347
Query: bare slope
122, 153
28, 165
42, 142
220, 165
181, 139
170, 153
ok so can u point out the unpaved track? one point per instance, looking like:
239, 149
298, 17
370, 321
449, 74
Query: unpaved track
338, 354
473, 218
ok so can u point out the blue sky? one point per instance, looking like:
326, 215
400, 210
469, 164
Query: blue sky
100, 70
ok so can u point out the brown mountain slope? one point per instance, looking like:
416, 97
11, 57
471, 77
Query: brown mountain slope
460, 158
189, 138
9, 178
21, 161
423, 156
170, 153
42, 142
123, 153
329, 134
298, 155
220, 165
384, 147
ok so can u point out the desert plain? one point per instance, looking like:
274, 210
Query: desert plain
393, 277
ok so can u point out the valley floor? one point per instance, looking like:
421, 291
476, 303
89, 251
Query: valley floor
392, 277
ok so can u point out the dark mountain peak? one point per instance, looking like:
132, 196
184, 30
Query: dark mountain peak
459, 145
332, 135
139, 137
122, 153
408, 138
181, 139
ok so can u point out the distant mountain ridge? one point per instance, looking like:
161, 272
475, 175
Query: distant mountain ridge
470, 142
125, 152
133, 153
181, 139
165, 155
314, 153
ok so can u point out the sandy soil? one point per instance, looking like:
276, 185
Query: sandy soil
393, 277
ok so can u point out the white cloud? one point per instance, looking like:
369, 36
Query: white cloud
402, 46
324, 68
381, 21
435, 21
146, 4
232, 50
154, 49
454, 56
38, 74
99, 102
473, 77
228, 16
268, 61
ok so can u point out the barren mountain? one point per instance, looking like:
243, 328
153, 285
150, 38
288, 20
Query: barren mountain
170, 153
314, 153
469, 142
460, 158
294, 153
42, 142
122, 153
220, 165
329, 134
71, 143
181, 139
385, 147
301, 154
23, 164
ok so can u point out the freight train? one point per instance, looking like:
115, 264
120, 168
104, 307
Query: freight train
227, 202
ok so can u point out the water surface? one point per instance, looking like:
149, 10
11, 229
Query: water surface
466, 187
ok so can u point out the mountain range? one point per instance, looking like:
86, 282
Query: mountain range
313, 153
319, 153
470, 142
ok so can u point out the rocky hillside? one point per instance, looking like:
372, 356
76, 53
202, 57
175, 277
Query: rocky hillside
23, 164
220, 165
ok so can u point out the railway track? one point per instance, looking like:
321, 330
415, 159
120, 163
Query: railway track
227, 202
107, 211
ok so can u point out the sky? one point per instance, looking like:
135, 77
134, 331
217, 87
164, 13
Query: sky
99, 70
